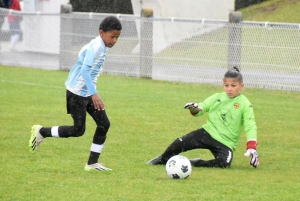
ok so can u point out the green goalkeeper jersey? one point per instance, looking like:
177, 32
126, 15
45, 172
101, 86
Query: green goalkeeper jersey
226, 118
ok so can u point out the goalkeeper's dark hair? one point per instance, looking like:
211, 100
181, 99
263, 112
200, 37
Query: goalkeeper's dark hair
234, 73
110, 23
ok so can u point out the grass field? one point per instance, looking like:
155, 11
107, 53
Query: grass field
273, 11
145, 115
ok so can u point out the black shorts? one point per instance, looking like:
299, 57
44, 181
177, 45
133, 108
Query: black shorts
201, 139
76, 104
78, 107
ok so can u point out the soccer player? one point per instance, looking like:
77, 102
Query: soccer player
228, 112
14, 24
82, 96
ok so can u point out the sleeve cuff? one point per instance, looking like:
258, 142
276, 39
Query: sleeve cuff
251, 144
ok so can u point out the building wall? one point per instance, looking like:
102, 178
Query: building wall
190, 9
209, 9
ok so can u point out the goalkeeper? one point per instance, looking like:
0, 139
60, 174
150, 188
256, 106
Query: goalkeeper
228, 112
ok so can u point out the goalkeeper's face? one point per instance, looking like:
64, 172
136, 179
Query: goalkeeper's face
232, 87
110, 37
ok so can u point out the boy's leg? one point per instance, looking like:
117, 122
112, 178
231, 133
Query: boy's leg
99, 138
13, 41
76, 106
15, 34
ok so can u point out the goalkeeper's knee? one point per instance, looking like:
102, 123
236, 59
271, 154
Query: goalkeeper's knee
223, 162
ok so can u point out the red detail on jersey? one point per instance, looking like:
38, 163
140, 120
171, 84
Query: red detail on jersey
236, 105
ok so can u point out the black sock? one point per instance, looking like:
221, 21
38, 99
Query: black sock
94, 156
46, 132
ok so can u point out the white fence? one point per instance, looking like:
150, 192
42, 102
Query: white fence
198, 51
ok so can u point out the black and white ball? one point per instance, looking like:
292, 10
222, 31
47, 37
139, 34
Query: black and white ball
178, 167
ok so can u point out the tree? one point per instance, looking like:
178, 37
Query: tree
239, 4
102, 6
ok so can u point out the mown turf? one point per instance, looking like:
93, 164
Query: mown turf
145, 117
273, 11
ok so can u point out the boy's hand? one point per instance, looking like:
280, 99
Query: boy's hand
193, 107
99, 105
254, 161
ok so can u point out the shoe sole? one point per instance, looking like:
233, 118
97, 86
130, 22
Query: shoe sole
155, 161
32, 141
97, 170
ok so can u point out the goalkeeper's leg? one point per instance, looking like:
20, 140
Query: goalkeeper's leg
179, 145
223, 155
200, 139
190, 141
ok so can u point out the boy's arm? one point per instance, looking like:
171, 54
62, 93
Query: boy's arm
98, 103
85, 72
88, 61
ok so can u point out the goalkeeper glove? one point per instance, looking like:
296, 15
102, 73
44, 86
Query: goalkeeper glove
251, 151
193, 107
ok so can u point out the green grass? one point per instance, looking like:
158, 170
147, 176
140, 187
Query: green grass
146, 116
273, 11
262, 48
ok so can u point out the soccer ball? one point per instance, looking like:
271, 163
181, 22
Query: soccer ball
178, 167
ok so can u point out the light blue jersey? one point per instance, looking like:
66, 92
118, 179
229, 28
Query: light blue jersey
83, 76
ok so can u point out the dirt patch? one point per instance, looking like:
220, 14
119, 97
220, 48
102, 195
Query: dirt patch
277, 5
271, 8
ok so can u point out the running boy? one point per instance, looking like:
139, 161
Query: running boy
82, 95
228, 112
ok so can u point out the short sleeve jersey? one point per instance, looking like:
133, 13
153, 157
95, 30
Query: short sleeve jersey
226, 118
83, 76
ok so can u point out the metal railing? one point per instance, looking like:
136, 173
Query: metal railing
184, 50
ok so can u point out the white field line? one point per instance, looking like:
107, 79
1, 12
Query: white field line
33, 84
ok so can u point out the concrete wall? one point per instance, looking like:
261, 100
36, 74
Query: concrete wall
189, 9
38, 29
208, 9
